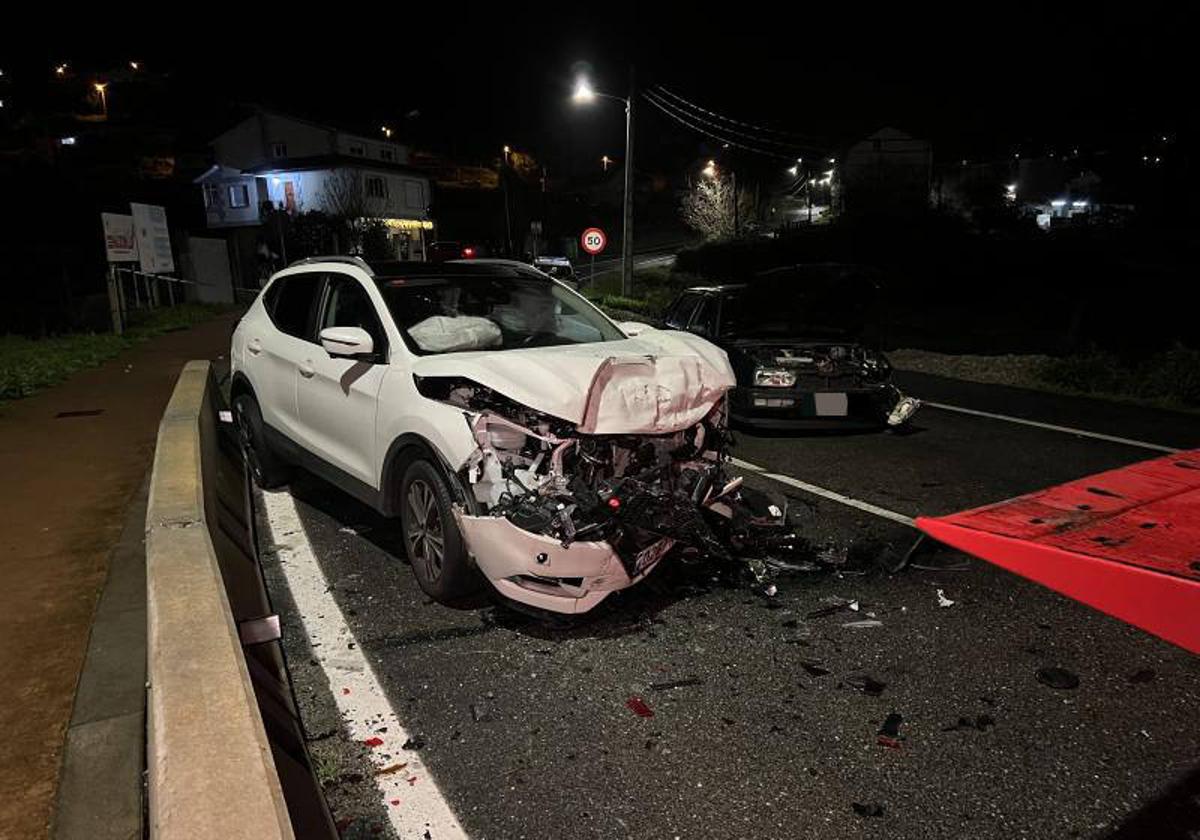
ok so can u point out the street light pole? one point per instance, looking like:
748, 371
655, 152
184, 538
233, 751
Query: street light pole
627, 220
584, 93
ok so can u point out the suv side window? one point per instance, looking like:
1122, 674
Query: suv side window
705, 320
294, 304
347, 305
681, 313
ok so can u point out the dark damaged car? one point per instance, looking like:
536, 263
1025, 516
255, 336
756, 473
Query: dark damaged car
803, 343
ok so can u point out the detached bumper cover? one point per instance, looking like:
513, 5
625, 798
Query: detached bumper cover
1125, 542
538, 570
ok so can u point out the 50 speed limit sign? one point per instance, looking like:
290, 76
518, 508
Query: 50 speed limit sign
593, 241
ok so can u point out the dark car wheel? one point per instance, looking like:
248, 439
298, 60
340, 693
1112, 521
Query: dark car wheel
267, 468
432, 540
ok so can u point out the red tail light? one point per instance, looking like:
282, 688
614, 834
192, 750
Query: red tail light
468, 253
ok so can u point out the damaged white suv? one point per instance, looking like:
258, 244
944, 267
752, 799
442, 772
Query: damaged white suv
516, 431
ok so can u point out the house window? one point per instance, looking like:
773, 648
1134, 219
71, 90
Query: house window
239, 195
279, 150
212, 195
412, 194
387, 154
376, 188
357, 149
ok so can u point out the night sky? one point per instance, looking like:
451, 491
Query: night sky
978, 83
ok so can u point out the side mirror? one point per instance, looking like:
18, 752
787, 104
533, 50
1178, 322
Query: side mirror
347, 341
633, 328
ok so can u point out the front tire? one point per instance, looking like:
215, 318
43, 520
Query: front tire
267, 468
432, 542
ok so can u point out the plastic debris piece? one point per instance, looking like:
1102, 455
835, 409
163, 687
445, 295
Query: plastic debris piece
943, 601
394, 801
226, 416
814, 668
373, 742
686, 681
889, 733
416, 742
1058, 678
345, 691
346, 529
391, 768
771, 590
1145, 675
869, 622
853, 605
638, 706
867, 685
867, 809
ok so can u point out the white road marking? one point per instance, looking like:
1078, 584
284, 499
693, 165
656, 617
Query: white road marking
410, 795
1050, 426
823, 493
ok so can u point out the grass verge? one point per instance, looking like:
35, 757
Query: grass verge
31, 365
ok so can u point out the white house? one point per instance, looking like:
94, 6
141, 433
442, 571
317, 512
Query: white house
298, 166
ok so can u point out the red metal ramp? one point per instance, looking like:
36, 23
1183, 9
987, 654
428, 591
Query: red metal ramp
1126, 542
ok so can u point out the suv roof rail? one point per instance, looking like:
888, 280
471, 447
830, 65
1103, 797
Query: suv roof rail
358, 262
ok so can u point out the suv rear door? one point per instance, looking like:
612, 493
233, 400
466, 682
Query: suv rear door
288, 341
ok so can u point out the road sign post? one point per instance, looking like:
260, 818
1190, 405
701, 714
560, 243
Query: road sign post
593, 241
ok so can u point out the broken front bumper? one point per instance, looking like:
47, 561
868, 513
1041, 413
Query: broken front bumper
796, 408
538, 570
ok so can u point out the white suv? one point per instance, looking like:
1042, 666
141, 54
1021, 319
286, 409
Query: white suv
517, 431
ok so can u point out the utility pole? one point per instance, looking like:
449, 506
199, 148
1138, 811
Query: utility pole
733, 180
627, 222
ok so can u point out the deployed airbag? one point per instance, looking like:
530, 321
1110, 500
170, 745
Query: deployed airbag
446, 334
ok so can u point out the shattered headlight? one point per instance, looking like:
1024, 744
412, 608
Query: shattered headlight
876, 365
774, 378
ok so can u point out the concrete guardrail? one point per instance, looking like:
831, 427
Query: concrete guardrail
211, 771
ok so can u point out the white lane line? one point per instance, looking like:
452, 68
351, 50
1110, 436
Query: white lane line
1050, 426
823, 493
413, 801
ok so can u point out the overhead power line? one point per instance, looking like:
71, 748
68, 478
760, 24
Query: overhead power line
725, 129
668, 109
721, 117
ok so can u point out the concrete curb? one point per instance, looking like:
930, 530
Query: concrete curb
211, 772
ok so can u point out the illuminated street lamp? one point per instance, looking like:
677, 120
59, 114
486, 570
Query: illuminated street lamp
101, 88
387, 132
793, 171
133, 65
605, 161
60, 70
585, 94
710, 171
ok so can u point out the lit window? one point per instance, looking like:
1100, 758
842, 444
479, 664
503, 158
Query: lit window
279, 150
376, 188
239, 195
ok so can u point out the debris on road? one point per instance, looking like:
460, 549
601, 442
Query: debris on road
867, 809
865, 623
943, 601
1058, 678
415, 742
638, 706
391, 768
373, 741
663, 686
889, 733
866, 684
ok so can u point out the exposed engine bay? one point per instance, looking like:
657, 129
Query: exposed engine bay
645, 495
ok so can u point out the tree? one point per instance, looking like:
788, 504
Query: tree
345, 204
708, 208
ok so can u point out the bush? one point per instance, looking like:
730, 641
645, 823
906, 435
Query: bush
1171, 377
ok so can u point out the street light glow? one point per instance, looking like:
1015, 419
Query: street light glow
133, 65
710, 171
100, 87
584, 92
793, 170
387, 132
60, 70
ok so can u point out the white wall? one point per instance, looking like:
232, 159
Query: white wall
407, 195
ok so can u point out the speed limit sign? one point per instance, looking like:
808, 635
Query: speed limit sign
593, 240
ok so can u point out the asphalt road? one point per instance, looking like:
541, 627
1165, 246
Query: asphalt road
526, 730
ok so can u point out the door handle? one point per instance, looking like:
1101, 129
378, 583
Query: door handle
255, 346
307, 370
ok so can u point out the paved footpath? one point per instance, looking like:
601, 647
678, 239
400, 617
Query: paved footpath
67, 481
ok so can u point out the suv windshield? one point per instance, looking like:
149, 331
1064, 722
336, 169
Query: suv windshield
448, 314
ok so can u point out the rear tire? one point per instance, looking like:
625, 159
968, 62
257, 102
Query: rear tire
432, 542
267, 468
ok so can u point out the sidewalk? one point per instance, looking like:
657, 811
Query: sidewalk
67, 483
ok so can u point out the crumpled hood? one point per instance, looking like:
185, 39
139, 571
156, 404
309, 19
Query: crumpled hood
659, 382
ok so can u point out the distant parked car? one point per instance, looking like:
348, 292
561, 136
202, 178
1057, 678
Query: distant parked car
559, 268
796, 339
446, 251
